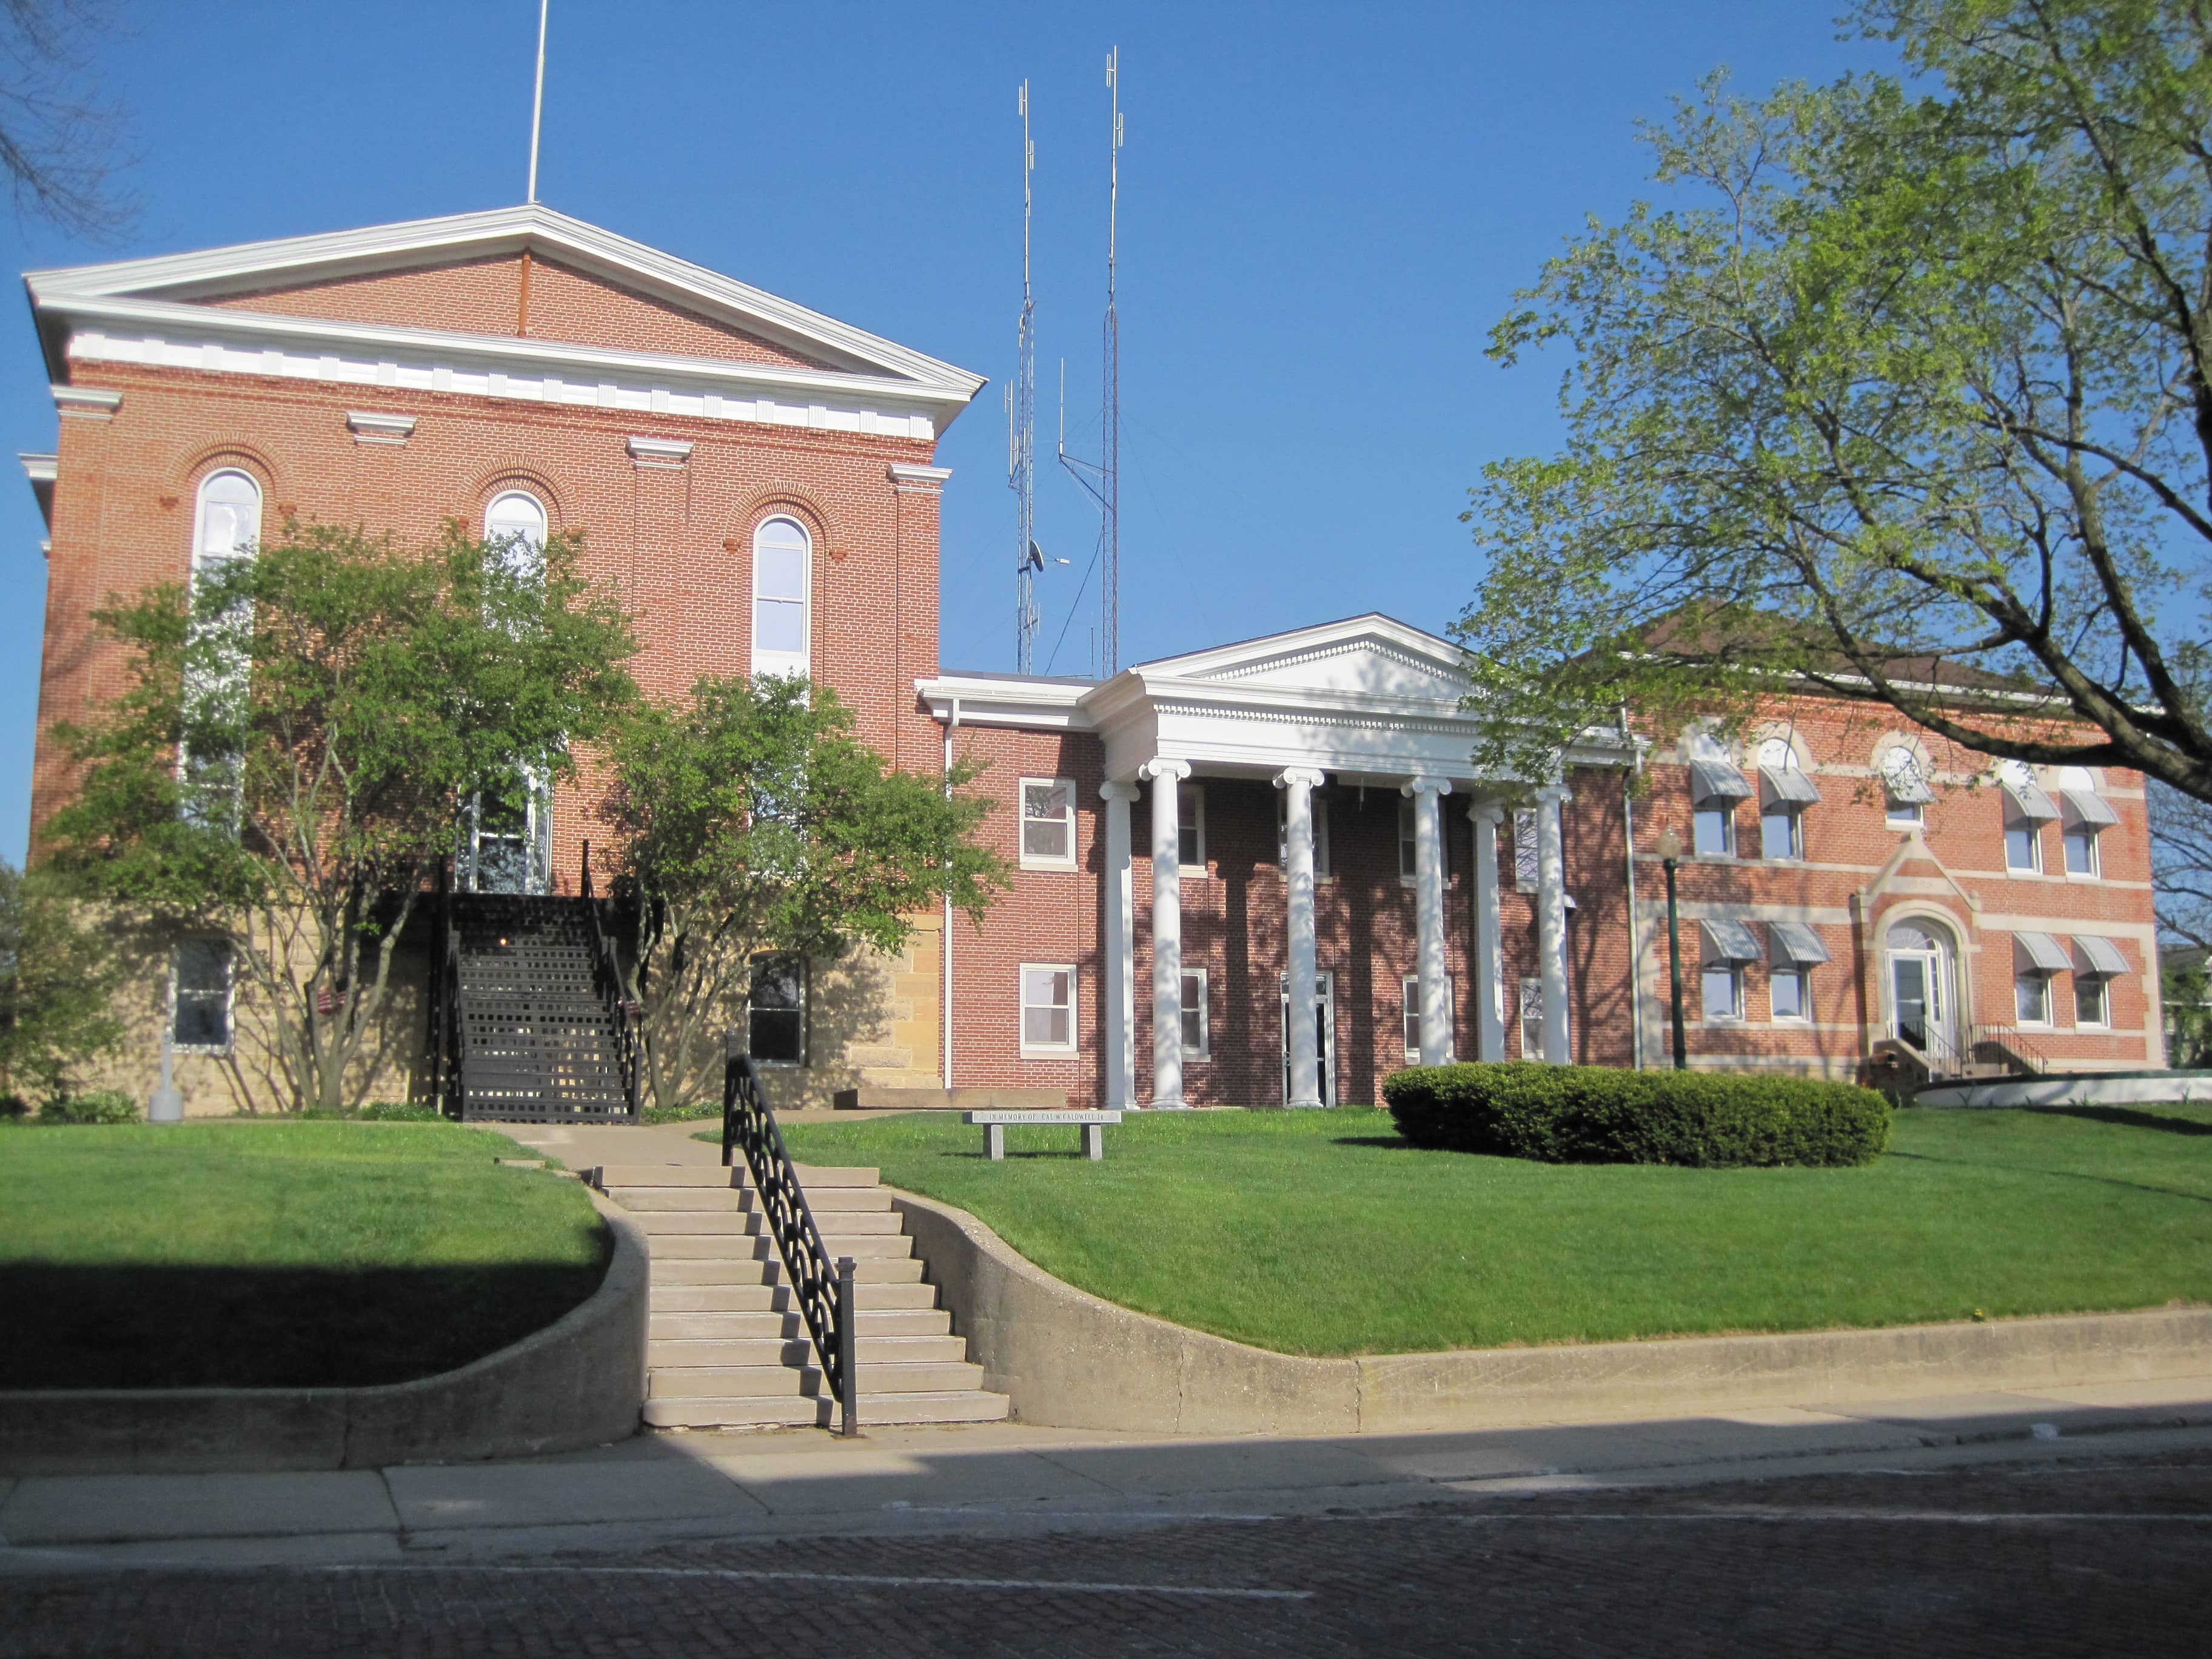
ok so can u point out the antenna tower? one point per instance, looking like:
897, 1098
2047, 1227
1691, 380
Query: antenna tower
1021, 433
1103, 480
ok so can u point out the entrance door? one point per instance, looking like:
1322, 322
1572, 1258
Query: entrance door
506, 838
1324, 1014
1919, 1013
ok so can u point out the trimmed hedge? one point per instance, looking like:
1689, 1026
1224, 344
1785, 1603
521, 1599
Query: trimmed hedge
1595, 1115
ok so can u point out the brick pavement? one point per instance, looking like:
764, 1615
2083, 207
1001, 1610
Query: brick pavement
2102, 1553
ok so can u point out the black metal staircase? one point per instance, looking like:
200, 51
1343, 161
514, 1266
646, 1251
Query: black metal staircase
536, 1028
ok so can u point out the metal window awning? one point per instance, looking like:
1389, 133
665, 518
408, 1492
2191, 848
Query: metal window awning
1716, 780
2031, 802
1794, 945
1788, 783
2044, 954
2086, 806
1905, 784
2102, 955
1729, 941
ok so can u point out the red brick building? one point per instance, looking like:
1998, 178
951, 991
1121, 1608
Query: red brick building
1201, 843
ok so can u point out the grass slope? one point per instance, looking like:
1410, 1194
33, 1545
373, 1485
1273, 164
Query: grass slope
278, 1255
1322, 1233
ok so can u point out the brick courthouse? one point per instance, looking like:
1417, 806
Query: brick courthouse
1261, 872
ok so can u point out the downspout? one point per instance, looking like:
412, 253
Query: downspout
1635, 936
952, 721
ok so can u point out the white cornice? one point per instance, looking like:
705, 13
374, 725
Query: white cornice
375, 248
373, 426
86, 402
667, 452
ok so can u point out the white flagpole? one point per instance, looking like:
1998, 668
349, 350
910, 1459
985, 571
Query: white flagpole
538, 103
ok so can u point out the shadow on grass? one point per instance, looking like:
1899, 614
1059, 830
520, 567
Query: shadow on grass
2055, 1175
1395, 1142
141, 1327
2128, 1117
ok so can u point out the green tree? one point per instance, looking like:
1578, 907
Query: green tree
753, 820
1906, 394
58, 976
296, 743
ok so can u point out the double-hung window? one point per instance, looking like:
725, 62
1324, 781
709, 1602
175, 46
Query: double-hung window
1048, 1008
1729, 946
1785, 791
227, 525
2084, 815
1716, 786
200, 975
1905, 787
1793, 950
1527, 854
783, 564
1190, 828
1410, 989
2026, 810
1048, 823
2097, 962
1197, 1032
2036, 957
776, 1012
1409, 842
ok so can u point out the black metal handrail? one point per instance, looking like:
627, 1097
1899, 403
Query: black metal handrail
607, 978
2013, 1049
823, 1291
449, 1082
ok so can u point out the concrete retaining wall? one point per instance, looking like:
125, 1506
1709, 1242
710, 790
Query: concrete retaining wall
1070, 1360
578, 1382
2074, 1089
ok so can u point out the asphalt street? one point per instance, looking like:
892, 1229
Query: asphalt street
2102, 1552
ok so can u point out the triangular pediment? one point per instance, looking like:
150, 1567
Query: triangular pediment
1371, 656
462, 279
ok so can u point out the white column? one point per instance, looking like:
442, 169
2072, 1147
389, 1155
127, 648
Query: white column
1551, 922
1167, 932
1118, 973
1298, 783
1429, 917
1489, 944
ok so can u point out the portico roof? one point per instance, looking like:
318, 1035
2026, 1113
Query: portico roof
1365, 697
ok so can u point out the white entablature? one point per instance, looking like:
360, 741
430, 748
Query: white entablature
1365, 697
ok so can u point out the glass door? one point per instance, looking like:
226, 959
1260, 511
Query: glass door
506, 839
1916, 991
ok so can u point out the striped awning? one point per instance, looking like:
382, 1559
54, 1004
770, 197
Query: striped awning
2102, 955
1730, 941
2044, 954
1716, 779
1794, 945
2031, 802
2086, 806
1789, 783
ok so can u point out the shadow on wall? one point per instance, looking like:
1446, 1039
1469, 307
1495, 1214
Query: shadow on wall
136, 1325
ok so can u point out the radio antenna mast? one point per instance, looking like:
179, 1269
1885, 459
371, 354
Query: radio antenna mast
1103, 480
538, 102
1021, 433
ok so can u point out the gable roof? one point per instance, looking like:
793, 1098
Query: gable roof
171, 297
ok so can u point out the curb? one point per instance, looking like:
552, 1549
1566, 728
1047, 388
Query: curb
578, 1382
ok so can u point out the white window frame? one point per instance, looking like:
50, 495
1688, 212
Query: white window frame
1794, 815
2103, 987
1528, 850
2041, 1021
1041, 860
1190, 809
783, 662
1409, 990
1046, 1050
1532, 1016
1895, 811
1409, 842
1726, 814
1322, 869
2013, 821
534, 540
200, 508
804, 1011
1803, 976
2088, 835
1205, 1049
229, 1000
1734, 971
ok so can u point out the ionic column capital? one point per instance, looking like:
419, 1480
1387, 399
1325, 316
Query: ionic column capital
1485, 811
1555, 794
1162, 766
1115, 789
1312, 777
1425, 787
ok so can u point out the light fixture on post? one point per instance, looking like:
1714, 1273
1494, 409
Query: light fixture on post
1670, 855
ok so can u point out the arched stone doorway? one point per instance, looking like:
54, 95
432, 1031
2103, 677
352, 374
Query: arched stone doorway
1920, 982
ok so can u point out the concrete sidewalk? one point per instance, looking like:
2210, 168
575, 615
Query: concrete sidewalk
1005, 1479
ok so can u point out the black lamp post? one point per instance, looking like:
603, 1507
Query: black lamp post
1670, 854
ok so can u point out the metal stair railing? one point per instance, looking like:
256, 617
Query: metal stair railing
2013, 1049
823, 1291
606, 972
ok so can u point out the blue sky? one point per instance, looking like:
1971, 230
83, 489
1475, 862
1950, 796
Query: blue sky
1324, 208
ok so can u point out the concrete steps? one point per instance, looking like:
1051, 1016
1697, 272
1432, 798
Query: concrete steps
727, 1347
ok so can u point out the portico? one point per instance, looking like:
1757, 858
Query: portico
1368, 710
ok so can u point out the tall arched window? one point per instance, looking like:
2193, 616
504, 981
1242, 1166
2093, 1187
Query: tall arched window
782, 579
229, 518
516, 523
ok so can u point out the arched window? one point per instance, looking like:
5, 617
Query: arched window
1904, 785
1784, 793
2084, 814
229, 519
514, 524
782, 579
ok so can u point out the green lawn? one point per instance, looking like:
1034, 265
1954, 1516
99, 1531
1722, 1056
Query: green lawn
1321, 1233
276, 1254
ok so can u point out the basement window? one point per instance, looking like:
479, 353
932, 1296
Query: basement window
775, 1012
200, 984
